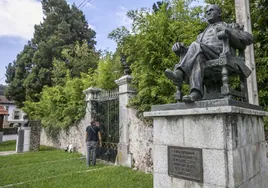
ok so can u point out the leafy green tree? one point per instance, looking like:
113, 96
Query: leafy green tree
147, 45
17, 72
78, 60
59, 72
59, 106
148, 48
157, 6
63, 105
109, 69
62, 28
10, 72
260, 32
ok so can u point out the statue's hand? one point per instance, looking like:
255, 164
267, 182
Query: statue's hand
177, 48
222, 33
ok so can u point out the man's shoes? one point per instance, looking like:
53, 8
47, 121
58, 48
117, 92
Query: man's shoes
194, 96
176, 76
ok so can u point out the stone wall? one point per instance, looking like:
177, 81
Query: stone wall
266, 139
75, 136
35, 135
267, 150
140, 143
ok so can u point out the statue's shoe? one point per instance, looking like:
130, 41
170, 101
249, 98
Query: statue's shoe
194, 96
174, 76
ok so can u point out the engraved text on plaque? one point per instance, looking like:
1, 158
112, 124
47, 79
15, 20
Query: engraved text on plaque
185, 163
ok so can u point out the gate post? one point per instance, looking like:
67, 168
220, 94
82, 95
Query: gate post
124, 157
91, 96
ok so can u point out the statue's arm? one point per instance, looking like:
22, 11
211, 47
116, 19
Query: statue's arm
238, 38
179, 49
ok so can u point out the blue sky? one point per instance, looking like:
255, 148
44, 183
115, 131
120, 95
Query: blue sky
16, 23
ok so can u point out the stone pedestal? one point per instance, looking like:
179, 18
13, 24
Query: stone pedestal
28, 138
209, 144
20, 140
125, 93
23, 139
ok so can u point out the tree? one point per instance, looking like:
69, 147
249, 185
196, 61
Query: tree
63, 105
17, 72
148, 48
157, 6
59, 106
78, 60
260, 32
109, 69
63, 26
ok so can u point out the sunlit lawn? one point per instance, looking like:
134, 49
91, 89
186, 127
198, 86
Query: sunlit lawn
8, 145
56, 168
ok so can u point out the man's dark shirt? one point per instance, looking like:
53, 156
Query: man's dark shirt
91, 136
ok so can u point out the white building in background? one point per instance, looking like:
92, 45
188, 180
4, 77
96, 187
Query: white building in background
15, 114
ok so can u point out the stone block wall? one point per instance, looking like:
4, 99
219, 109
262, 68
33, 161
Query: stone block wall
140, 143
190, 131
75, 135
35, 135
266, 138
248, 150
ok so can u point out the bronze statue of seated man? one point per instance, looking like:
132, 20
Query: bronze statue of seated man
208, 46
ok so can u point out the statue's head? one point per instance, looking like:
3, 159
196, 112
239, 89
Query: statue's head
213, 13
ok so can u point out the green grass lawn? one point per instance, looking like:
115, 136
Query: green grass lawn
8, 145
56, 168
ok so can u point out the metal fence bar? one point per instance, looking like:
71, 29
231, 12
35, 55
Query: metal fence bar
107, 113
108, 95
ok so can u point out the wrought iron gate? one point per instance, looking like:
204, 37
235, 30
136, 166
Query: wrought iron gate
107, 113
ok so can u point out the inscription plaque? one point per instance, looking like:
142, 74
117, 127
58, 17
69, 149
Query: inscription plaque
185, 163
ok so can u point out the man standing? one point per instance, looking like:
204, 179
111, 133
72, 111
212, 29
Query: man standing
93, 135
208, 46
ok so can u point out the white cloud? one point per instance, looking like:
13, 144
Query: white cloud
124, 20
18, 17
91, 26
